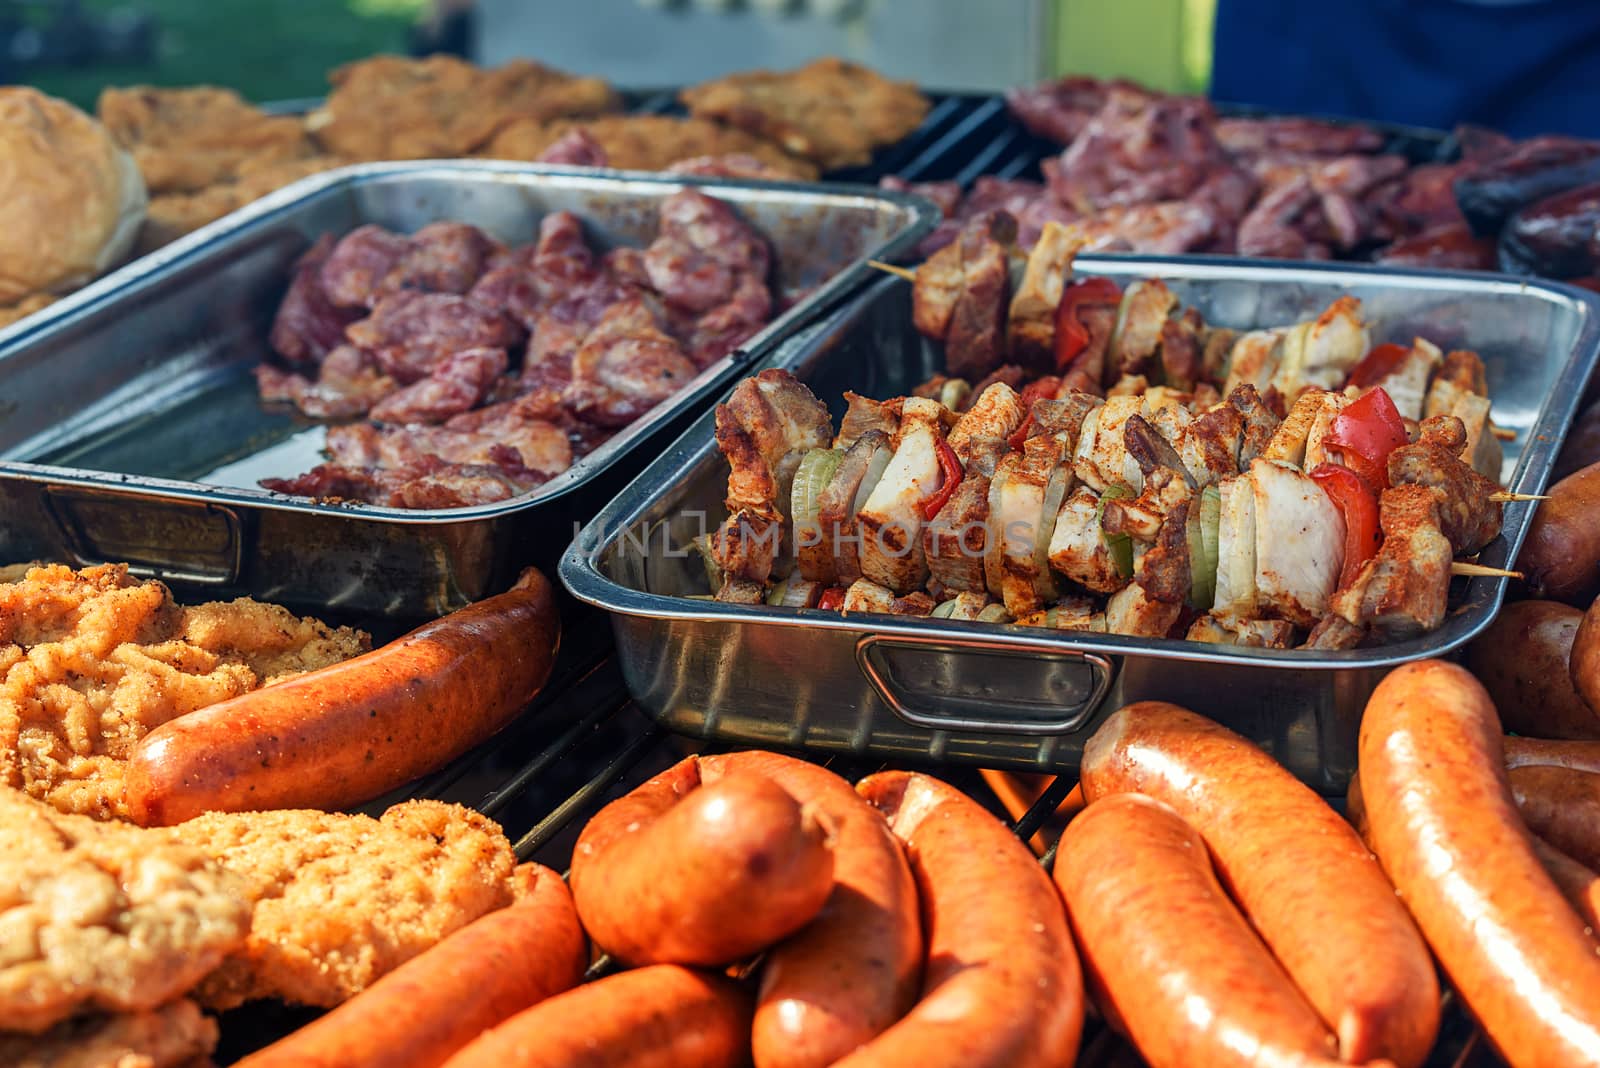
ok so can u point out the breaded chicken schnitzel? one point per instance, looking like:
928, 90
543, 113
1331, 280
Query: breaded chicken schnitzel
104, 916
342, 899
646, 142
91, 661
177, 1034
830, 111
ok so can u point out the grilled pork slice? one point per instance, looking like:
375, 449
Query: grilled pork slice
1255, 633
1146, 304
741, 591
1031, 330
858, 474
1063, 415
1182, 341
862, 414
1460, 372
1407, 384
1078, 548
1299, 543
1260, 423
1236, 551
954, 542
1461, 389
1401, 591
1334, 632
1482, 449
1298, 439
1070, 613
1142, 517
767, 424
865, 596
1101, 458
1468, 518
1320, 354
1208, 443
966, 606
1254, 359
1133, 610
890, 523
979, 437
976, 341
1024, 499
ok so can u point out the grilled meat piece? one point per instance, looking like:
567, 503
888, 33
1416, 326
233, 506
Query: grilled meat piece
456, 384
863, 414
1401, 591
625, 367
1146, 304
1138, 150
1299, 543
1467, 517
650, 143
1031, 325
1335, 632
955, 541
1134, 610
1298, 439
409, 333
308, 326
865, 596
849, 488
358, 263
347, 384
890, 523
979, 436
702, 251
442, 257
1078, 547
1024, 501
575, 148
1313, 137
1058, 110
1407, 383
960, 296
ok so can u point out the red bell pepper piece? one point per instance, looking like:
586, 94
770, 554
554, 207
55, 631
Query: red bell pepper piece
1377, 365
1365, 433
1071, 336
1038, 389
950, 477
1357, 501
832, 599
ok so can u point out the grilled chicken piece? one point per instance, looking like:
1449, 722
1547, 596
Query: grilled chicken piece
1401, 591
865, 596
1299, 543
1129, 386
967, 605
1100, 458
1254, 359
1319, 354
1132, 610
1467, 517
1150, 451
845, 492
741, 591
1142, 517
891, 522
767, 424
862, 414
1063, 415
1460, 388
1207, 443
1236, 551
1298, 439
961, 293
1031, 328
954, 542
1334, 632
1407, 384
1260, 423
979, 436
1146, 304
1181, 349
1070, 613
1024, 499
1078, 548
1255, 633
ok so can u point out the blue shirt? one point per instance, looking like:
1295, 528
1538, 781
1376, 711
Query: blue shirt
1520, 66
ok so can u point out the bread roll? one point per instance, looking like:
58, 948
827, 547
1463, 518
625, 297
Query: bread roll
71, 201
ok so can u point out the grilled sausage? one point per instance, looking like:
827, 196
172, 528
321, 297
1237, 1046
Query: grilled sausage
1279, 848
682, 873
437, 1002
1584, 666
855, 969
333, 738
1527, 752
1002, 985
1168, 954
1581, 447
1561, 555
1445, 826
1561, 806
663, 1016
1522, 660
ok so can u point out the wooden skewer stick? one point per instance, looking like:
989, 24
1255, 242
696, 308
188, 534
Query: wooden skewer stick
899, 272
1457, 567
1503, 433
1503, 496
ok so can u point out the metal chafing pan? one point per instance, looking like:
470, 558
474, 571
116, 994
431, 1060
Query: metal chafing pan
1007, 696
130, 429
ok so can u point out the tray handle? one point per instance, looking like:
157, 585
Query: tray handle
1100, 668
195, 542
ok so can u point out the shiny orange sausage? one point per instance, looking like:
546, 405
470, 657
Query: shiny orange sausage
333, 738
677, 872
1171, 956
663, 1016
1300, 873
432, 1005
1443, 822
1002, 986
855, 969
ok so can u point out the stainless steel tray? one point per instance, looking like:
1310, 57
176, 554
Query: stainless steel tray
1020, 697
122, 410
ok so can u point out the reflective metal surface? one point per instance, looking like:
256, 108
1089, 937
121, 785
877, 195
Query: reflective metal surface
775, 676
130, 428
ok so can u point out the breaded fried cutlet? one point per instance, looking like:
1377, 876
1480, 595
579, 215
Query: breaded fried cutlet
832, 112
646, 142
393, 108
15, 313
177, 1035
91, 661
344, 899
172, 215
104, 916
188, 139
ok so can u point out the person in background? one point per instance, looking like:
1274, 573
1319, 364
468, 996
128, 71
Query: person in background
1520, 66
448, 27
